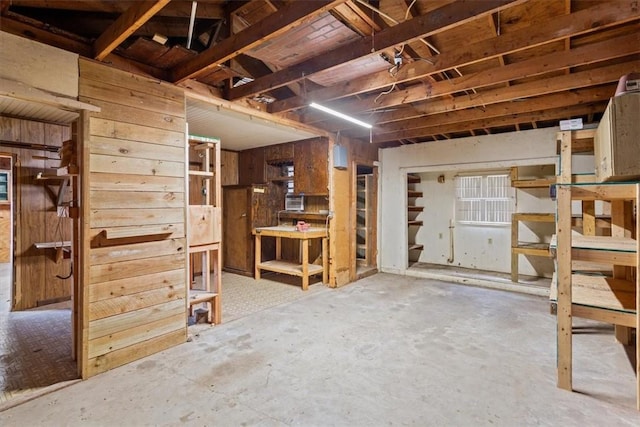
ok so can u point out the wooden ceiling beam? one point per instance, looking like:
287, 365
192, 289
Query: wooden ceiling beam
441, 19
597, 52
512, 120
561, 83
404, 129
598, 17
125, 25
180, 9
274, 25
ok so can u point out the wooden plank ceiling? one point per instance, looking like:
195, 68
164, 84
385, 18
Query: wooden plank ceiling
418, 70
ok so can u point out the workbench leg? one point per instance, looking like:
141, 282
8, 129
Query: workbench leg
278, 248
325, 260
217, 287
258, 256
305, 264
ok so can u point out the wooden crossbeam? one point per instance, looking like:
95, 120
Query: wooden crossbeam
274, 25
595, 18
556, 84
596, 52
441, 19
125, 25
510, 120
181, 9
407, 128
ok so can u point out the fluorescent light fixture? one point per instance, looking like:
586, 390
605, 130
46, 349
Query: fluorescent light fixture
339, 114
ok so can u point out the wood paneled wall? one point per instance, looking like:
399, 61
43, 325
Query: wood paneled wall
133, 166
35, 213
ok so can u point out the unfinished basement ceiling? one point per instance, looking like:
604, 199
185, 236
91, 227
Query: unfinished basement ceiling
419, 70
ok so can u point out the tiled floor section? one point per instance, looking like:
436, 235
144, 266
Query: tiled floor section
35, 345
242, 296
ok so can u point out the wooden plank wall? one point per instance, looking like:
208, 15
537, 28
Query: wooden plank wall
134, 183
36, 216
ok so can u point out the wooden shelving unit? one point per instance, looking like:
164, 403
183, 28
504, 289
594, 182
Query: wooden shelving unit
413, 211
519, 247
611, 297
363, 219
526, 248
205, 227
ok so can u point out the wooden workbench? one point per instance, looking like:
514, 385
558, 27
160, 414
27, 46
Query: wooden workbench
304, 269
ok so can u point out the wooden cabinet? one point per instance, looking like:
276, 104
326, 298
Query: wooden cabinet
279, 153
616, 143
251, 167
244, 208
310, 164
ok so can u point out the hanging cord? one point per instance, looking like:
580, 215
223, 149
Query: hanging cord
58, 235
375, 101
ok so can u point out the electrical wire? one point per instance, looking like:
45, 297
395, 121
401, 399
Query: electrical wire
375, 101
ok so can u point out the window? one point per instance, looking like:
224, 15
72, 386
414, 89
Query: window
484, 199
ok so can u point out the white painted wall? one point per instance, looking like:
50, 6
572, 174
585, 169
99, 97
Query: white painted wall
486, 248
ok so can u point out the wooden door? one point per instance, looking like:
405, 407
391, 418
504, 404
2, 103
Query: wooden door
238, 251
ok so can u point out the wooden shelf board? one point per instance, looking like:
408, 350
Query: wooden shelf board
201, 173
412, 193
601, 222
415, 208
533, 183
604, 243
600, 292
603, 191
413, 179
534, 217
535, 249
281, 179
416, 247
600, 256
415, 222
197, 296
53, 245
138, 231
286, 267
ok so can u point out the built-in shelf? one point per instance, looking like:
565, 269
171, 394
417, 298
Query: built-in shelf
414, 222
533, 183
415, 247
203, 174
415, 208
411, 193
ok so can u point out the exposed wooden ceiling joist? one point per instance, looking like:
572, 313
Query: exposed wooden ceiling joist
417, 127
608, 49
290, 16
487, 124
177, 8
443, 18
595, 18
125, 25
561, 83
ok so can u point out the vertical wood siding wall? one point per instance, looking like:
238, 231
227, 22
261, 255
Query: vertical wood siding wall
135, 265
35, 213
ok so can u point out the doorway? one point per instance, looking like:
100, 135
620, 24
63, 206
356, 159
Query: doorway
366, 206
35, 306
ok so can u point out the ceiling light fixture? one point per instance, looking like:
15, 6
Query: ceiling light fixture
340, 115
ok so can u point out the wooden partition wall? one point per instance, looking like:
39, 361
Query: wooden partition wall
133, 191
37, 271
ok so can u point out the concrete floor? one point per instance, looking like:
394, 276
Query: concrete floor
384, 350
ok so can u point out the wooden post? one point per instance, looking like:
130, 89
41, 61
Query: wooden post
564, 319
514, 242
